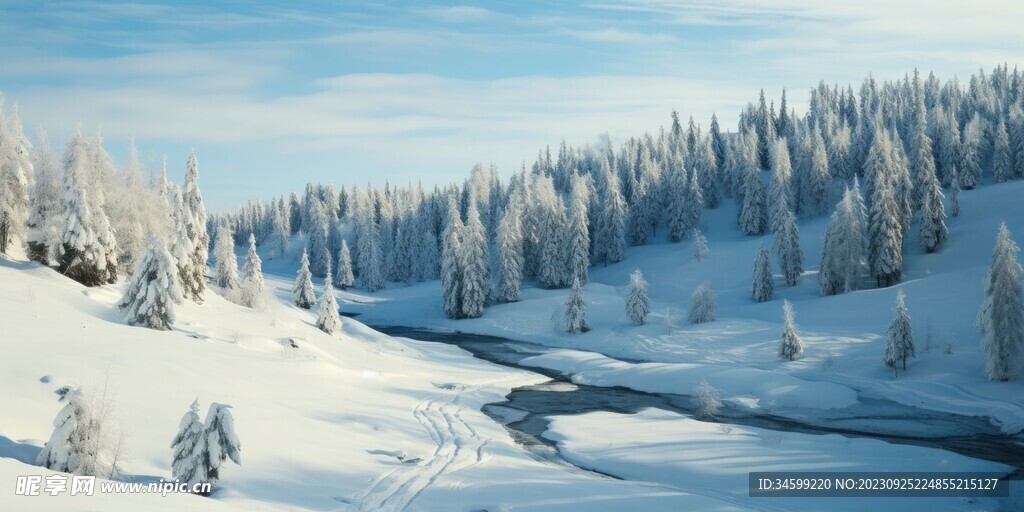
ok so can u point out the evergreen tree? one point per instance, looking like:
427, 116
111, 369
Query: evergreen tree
932, 231
253, 290
317, 231
303, 295
764, 283
451, 264
702, 304
221, 441
195, 226
787, 248
189, 447
610, 239
510, 253
327, 318
82, 256
885, 230
45, 205
700, 245
576, 310
371, 254
676, 207
753, 217
899, 340
816, 194
153, 290
1002, 158
638, 306
1001, 317
345, 279
970, 157
780, 192
706, 167
790, 344
474, 258
15, 170
578, 241
226, 269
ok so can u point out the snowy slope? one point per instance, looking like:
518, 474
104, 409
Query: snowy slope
944, 291
320, 426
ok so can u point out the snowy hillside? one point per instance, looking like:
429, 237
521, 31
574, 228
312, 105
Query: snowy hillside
320, 425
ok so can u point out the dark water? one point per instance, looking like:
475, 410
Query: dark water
526, 410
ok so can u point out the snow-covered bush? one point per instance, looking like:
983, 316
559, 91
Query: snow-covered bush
702, 304
708, 401
82, 442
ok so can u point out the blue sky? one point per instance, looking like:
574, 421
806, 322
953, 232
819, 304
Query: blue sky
274, 94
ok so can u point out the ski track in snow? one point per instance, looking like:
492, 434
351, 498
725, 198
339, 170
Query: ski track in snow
459, 446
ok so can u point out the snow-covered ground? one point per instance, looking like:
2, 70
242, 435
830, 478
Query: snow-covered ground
843, 334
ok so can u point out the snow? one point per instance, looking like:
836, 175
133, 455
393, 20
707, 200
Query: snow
704, 458
943, 290
321, 425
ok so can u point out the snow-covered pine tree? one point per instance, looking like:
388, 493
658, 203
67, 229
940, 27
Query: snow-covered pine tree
552, 271
949, 150
970, 154
702, 304
706, 168
885, 230
610, 241
327, 318
753, 218
676, 208
15, 170
899, 339
636, 222
576, 310
780, 191
303, 295
932, 232
345, 279
787, 247
195, 226
189, 447
221, 441
638, 306
225, 274
815, 192
790, 344
578, 241
153, 290
316, 228
1002, 157
451, 264
510, 253
476, 278
1001, 317
44, 204
700, 245
371, 252
253, 290
82, 256
764, 283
